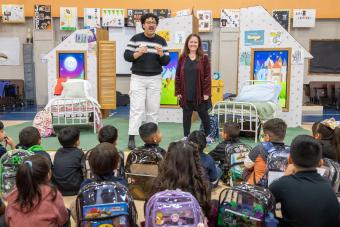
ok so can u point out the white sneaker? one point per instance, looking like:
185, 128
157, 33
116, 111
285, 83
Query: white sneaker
184, 138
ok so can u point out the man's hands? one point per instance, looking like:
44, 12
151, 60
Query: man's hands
159, 50
140, 51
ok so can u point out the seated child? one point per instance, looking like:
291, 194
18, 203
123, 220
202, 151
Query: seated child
230, 135
68, 163
30, 139
212, 172
35, 201
306, 198
150, 134
6, 140
274, 132
181, 169
109, 134
103, 160
328, 133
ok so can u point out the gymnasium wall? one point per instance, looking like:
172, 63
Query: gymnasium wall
324, 8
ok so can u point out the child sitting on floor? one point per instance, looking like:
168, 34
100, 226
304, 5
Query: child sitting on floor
35, 201
328, 133
306, 198
6, 140
109, 134
212, 172
30, 139
69, 162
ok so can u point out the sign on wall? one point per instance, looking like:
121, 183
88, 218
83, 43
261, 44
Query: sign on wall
304, 18
13, 14
42, 17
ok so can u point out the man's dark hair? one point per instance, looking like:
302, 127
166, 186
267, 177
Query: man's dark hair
198, 138
103, 159
1, 125
108, 133
232, 129
68, 136
29, 137
149, 15
147, 130
305, 151
276, 128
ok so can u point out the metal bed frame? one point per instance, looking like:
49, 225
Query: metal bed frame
239, 112
75, 111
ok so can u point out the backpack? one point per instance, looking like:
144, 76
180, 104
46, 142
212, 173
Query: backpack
213, 121
141, 168
105, 204
331, 171
173, 208
119, 172
43, 122
232, 164
9, 163
277, 162
245, 205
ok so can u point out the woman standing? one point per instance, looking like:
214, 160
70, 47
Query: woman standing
193, 84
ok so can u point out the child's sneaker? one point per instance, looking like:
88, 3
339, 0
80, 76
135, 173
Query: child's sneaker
210, 140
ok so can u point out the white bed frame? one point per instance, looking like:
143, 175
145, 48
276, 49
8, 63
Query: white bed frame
239, 112
67, 113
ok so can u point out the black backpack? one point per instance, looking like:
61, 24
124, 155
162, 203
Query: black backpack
141, 168
105, 204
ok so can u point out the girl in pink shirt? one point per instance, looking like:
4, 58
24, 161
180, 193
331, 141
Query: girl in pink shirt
35, 201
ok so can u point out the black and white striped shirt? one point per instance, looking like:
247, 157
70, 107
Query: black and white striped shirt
150, 63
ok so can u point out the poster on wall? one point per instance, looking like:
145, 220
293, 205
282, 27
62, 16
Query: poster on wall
91, 17
180, 37
206, 47
112, 17
274, 65
282, 16
71, 64
253, 38
68, 18
275, 38
168, 79
304, 18
42, 17
165, 34
162, 13
13, 13
184, 12
9, 51
204, 20
134, 16
230, 18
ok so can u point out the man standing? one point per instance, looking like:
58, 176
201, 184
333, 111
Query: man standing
148, 52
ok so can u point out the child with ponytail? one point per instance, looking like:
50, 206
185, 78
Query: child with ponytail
35, 201
182, 169
328, 133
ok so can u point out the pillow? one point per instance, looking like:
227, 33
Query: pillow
259, 93
74, 88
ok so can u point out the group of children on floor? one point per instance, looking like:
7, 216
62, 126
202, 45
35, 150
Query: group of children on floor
306, 198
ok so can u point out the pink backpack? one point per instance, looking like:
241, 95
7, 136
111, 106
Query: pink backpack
43, 122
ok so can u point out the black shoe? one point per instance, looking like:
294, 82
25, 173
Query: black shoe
131, 144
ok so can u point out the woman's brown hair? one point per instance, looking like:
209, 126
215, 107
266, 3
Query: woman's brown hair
182, 169
199, 51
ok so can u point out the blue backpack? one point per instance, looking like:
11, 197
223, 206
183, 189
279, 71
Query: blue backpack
173, 208
277, 162
105, 204
213, 121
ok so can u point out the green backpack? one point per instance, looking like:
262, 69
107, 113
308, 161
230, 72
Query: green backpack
9, 163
